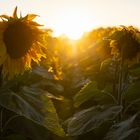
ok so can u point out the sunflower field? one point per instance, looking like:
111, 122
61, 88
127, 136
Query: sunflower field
54, 88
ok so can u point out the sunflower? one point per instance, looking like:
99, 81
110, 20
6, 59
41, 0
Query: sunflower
124, 41
20, 43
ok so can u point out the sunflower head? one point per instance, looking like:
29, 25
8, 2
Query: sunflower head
125, 41
20, 43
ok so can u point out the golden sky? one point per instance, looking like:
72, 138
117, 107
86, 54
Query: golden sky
73, 17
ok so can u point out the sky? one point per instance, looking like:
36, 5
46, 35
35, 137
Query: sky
74, 17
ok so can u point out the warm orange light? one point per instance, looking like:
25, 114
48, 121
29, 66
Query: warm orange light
71, 23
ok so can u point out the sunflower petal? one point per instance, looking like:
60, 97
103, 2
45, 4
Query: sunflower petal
31, 16
20, 15
5, 17
35, 23
15, 12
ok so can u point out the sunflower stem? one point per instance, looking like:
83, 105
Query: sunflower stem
1, 79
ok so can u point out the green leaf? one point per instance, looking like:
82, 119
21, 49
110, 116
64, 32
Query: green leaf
41, 71
29, 129
133, 92
33, 104
91, 118
123, 130
86, 93
91, 92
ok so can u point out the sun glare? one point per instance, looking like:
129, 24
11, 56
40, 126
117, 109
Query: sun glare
72, 24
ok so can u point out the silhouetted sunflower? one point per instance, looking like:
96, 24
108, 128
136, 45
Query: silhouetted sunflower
20, 43
125, 41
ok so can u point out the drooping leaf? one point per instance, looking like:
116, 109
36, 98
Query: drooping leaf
123, 130
40, 70
33, 104
91, 118
50, 84
106, 73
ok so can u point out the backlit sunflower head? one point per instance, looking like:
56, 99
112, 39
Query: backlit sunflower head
125, 41
20, 43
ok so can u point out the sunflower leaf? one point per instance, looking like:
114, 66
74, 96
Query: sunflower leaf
123, 130
33, 104
28, 129
132, 92
91, 118
91, 92
86, 93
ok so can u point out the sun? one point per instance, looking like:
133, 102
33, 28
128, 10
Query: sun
71, 23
